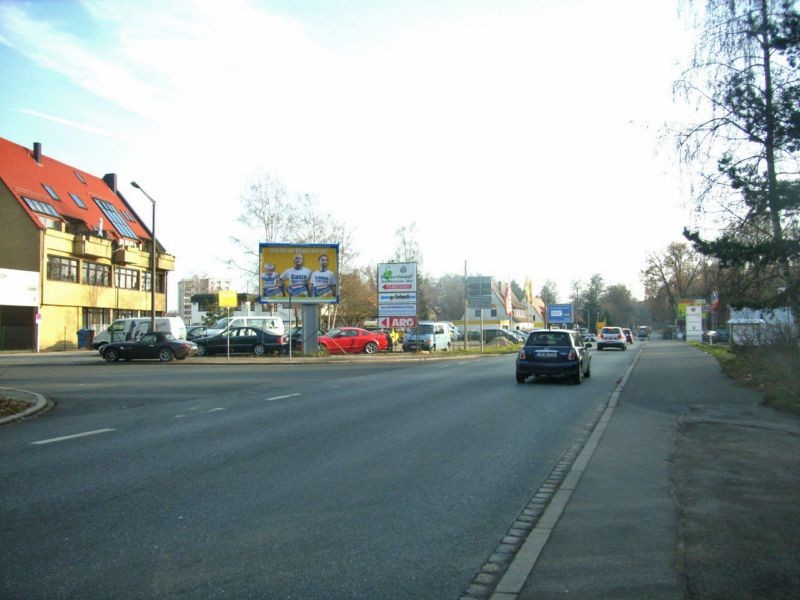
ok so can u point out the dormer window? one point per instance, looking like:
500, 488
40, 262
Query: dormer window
51, 191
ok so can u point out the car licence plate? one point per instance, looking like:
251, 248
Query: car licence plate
547, 354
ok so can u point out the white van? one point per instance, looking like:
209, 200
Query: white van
131, 329
428, 335
269, 323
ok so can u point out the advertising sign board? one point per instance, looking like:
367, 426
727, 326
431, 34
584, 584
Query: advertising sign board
397, 322
397, 277
297, 273
397, 310
559, 313
398, 298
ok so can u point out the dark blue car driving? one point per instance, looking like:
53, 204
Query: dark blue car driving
554, 353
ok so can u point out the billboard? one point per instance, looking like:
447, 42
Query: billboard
298, 273
559, 313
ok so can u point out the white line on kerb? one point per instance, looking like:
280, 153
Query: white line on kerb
72, 437
282, 397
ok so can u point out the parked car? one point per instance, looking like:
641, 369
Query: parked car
554, 353
493, 333
352, 340
161, 345
628, 334
196, 331
612, 337
131, 329
247, 340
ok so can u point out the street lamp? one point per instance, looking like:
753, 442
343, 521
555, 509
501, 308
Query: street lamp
152, 261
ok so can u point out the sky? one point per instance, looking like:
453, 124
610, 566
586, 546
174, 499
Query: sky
523, 138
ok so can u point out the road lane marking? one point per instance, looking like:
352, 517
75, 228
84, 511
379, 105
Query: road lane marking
215, 409
281, 397
72, 437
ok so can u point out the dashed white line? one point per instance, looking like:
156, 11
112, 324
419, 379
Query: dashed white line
215, 409
72, 437
281, 397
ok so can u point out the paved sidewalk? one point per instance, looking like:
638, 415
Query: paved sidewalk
692, 492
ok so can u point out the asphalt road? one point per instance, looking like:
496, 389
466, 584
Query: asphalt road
276, 481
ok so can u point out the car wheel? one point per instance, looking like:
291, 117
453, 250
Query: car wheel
165, 355
323, 350
258, 350
624, 347
111, 355
201, 350
599, 347
589, 371
370, 348
521, 378
579, 376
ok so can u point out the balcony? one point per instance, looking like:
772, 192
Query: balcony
91, 247
130, 256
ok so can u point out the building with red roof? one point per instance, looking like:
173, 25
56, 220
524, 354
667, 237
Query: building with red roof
73, 253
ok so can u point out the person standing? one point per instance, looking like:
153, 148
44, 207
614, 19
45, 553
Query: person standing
323, 281
295, 279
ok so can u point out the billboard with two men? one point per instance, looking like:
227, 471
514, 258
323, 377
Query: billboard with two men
298, 273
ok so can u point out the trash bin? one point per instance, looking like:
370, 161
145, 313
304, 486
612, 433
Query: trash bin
83, 337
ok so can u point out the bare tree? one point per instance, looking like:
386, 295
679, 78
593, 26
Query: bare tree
745, 71
673, 274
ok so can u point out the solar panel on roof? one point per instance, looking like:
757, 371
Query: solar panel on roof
115, 218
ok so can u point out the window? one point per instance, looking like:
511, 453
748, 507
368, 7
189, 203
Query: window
126, 314
60, 268
77, 200
115, 218
127, 279
96, 274
147, 277
494, 312
96, 318
41, 207
80, 177
51, 192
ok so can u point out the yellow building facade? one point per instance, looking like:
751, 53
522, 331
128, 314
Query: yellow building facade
73, 254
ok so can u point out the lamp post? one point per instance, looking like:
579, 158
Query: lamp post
152, 260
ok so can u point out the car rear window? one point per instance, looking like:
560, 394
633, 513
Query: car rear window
548, 339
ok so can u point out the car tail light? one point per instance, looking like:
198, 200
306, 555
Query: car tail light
573, 355
522, 354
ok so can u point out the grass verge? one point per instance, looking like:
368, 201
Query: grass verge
773, 370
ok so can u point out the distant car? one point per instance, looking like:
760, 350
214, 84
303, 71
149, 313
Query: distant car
589, 337
612, 337
247, 340
628, 334
643, 331
352, 340
161, 345
554, 353
493, 333
196, 331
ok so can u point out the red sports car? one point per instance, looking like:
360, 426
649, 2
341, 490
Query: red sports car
352, 340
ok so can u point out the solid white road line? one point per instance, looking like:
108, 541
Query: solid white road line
72, 437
